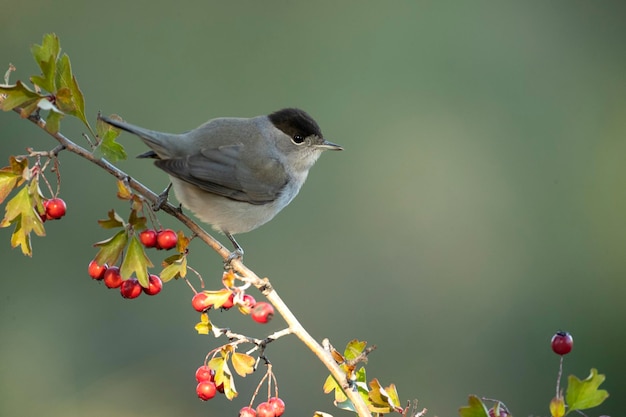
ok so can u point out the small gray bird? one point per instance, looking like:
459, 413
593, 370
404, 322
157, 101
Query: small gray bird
237, 173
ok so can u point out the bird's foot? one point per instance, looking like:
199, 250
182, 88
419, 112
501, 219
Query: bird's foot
237, 254
162, 198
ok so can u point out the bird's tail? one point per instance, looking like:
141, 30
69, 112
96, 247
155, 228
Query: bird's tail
157, 141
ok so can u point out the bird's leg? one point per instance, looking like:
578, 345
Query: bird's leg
236, 254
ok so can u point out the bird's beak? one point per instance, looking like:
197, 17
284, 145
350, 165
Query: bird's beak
330, 146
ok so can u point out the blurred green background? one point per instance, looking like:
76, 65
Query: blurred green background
479, 206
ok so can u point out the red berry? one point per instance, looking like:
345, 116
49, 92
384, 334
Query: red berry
262, 312
154, 285
55, 208
166, 239
206, 390
148, 238
562, 343
265, 410
503, 412
96, 271
131, 288
229, 303
200, 302
204, 373
247, 412
249, 300
112, 277
278, 405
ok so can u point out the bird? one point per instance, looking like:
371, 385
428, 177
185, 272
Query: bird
236, 173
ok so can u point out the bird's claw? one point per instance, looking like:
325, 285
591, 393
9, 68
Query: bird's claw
162, 198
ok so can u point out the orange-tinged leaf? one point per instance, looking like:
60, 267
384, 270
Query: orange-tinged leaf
11, 176
321, 414
123, 191
242, 363
64, 100
383, 400
204, 326
475, 408
136, 262
228, 278
182, 242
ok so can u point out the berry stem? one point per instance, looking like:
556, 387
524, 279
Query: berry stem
558, 378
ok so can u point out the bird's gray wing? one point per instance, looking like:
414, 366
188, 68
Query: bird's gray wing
221, 170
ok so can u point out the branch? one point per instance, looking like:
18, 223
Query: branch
236, 264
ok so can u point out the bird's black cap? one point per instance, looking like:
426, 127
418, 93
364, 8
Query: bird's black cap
295, 122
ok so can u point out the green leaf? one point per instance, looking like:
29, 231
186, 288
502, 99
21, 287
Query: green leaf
53, 122
135, 260
354, 349
108, 148
585, 394
46, 56
18, 95
114, 220
137, 222
177, 268
111, 249
66, 80
11, 176
475, 408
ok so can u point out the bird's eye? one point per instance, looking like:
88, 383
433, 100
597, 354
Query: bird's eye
298, 139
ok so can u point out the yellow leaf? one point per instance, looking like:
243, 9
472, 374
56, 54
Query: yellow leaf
557, 407
204, 326
123, 192
228, 279
243, 364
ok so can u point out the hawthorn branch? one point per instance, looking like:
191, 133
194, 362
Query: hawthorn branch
237, 265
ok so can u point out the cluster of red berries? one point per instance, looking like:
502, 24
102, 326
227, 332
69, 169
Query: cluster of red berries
206, 388
130, 288
162, 239
274, 407
54, 208
261, 312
